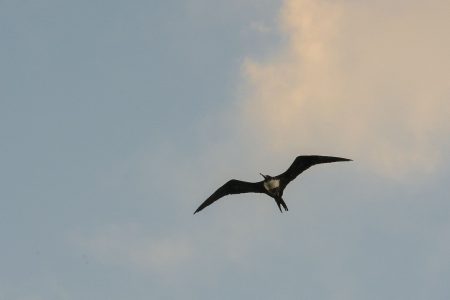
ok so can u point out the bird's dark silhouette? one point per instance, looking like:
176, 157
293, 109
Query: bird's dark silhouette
272, 186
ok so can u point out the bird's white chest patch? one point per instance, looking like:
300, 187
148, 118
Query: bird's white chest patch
271, 184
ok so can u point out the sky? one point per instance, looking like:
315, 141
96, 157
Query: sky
118, 119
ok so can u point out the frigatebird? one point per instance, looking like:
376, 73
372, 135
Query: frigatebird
272, 186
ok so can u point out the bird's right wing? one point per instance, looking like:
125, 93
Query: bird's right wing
303, 162
232, 187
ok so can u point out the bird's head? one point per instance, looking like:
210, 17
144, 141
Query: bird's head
266, 177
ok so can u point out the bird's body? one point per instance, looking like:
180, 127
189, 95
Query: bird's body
272, 186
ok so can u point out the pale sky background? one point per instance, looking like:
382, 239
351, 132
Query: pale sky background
118, 118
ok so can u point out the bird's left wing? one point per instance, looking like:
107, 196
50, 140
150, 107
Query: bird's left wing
232, 187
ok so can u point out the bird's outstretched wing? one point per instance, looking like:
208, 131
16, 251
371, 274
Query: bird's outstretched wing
303, 162
232, 187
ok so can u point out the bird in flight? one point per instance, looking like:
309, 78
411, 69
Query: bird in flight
271, 186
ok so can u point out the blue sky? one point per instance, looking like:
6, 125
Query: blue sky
117, 120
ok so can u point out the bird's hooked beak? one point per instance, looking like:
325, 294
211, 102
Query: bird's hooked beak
265, 176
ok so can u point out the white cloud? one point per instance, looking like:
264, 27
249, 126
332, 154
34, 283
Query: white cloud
128, 245
260, 27
368, 81
165, 254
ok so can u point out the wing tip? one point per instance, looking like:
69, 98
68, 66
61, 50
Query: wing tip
197, 210
335, 158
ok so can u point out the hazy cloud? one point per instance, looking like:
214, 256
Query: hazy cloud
364, 80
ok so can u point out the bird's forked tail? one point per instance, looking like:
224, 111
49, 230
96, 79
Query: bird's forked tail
280, 202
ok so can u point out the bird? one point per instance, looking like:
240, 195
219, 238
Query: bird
272, 186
